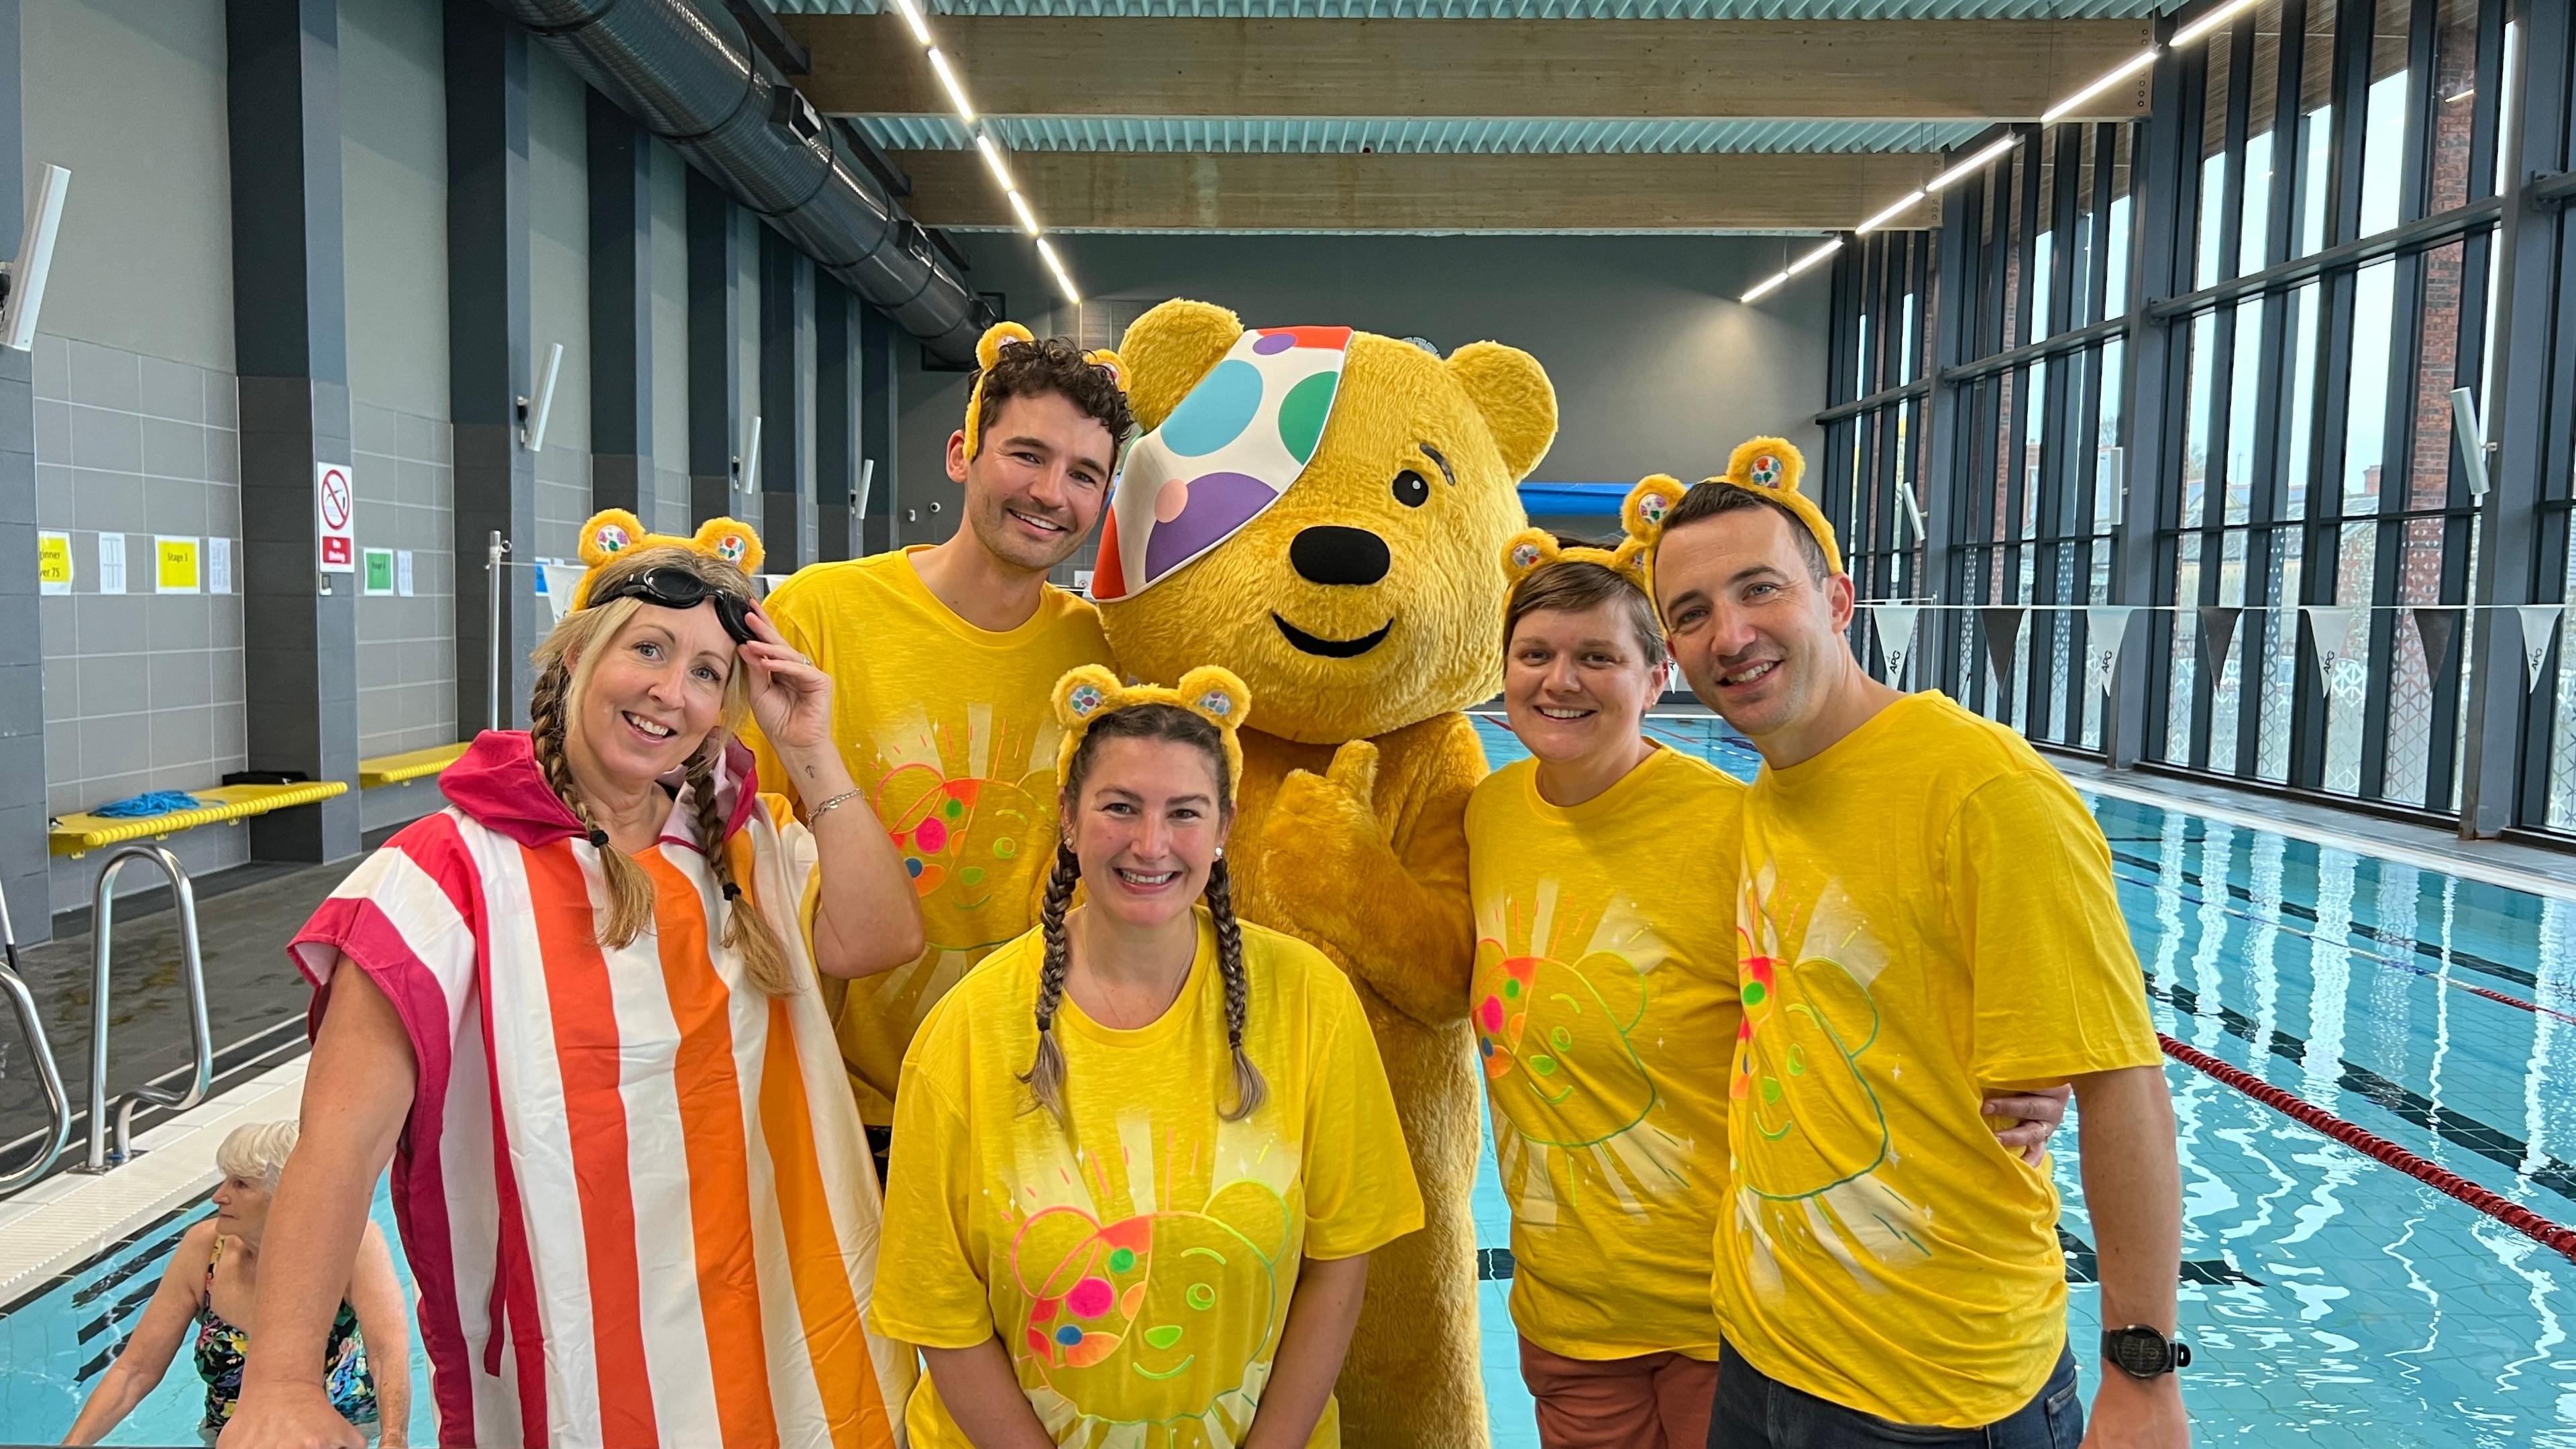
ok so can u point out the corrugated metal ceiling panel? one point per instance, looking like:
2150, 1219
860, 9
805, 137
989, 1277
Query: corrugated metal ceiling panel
1145, 133
1530, 9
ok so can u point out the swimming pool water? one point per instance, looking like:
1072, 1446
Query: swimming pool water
2330, 1300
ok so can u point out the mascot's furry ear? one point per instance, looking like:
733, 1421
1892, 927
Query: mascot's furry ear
1167, 351
1512, 391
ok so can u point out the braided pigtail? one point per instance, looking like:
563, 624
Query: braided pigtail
1249, 1088
1045, 1076
764, 956
630, 890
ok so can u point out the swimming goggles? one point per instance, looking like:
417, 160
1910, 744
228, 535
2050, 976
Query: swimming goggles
677, 588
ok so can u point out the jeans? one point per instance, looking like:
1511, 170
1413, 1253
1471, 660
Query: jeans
1754, 1412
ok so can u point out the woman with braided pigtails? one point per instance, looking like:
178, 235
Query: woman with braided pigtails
585, 1001
1143, 1151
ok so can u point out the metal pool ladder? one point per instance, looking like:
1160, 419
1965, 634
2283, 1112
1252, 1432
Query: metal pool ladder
56, 1099
193, 973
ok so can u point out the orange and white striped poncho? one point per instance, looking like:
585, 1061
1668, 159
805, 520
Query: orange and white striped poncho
633, 1189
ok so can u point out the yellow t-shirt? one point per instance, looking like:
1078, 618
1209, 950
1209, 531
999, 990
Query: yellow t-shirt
949, 730
1137, 1265
1926, 912
1604, 988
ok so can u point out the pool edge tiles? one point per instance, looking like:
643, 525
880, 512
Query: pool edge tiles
63, 1222
2463, 865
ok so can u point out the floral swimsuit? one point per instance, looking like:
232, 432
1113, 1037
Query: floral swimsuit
222, 1348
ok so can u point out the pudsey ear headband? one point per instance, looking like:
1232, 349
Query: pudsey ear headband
988, 351
1090, 693
1773, 468
614, 531
1641, 519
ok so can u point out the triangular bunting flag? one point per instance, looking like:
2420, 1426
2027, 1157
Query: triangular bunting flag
2003, 640
2330, 634
559, 581
1895, 626
2217, 636
2106, 629
2539, 627
2436, 629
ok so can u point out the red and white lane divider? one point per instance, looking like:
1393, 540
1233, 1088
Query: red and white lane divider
2361, 1139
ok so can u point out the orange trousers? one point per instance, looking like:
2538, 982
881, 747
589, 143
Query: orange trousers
1653, 1401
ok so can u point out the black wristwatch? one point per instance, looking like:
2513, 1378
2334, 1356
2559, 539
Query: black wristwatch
2144, 1353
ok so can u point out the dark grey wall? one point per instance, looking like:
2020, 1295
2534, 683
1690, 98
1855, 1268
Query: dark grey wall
1657, 367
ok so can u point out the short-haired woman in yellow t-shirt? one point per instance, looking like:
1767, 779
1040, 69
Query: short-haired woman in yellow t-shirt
1142, 1152
1605, 1001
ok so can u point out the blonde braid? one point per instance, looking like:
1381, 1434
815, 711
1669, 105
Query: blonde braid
630, 890
764, 956
1045, 1076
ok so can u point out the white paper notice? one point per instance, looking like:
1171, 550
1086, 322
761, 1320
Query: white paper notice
111, 563
402, 573
219, 565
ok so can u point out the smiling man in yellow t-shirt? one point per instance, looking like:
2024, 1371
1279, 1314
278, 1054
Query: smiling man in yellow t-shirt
1925, 913
945, 659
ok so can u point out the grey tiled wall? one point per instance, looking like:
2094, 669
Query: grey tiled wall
406, 647
143, 691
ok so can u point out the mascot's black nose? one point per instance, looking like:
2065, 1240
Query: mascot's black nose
1330, 554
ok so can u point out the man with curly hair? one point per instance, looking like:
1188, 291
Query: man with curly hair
944, 657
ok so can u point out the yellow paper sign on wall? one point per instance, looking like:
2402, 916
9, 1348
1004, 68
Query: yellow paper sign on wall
54, 563
176, 564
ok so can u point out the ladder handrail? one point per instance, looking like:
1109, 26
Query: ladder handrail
56, 1098
193, 971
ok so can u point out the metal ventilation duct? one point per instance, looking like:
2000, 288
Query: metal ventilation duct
688, 76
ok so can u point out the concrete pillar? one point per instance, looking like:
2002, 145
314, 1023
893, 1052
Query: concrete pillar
489, 369
881, 528
836, 425
290, 342
786, 284
621, 309
715, 365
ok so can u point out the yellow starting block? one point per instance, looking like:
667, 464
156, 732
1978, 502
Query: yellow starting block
404, 768
78, 835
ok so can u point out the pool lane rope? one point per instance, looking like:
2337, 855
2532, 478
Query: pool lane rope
2361, 1139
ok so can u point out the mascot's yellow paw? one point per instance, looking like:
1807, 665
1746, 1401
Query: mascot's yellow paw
1324, 829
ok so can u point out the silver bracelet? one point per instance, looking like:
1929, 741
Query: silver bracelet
818, 812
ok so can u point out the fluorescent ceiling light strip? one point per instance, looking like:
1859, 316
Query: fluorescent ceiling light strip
2207, 23
912, 17
993, 161
1960, 171
1813, 257
1028, 218
2117, 74
1891, 214
956, 91
1764, 287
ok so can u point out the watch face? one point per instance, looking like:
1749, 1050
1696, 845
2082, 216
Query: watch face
2140, 1352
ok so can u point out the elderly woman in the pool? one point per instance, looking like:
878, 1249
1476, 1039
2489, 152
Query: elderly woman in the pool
210, 1281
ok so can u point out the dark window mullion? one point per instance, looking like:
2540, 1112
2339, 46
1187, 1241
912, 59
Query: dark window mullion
2477, 254
2350, 91
2406, 359
2065, 191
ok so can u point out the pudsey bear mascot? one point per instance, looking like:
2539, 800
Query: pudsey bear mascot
1318, 509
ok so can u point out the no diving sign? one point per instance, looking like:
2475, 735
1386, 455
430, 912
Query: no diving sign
335, 513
